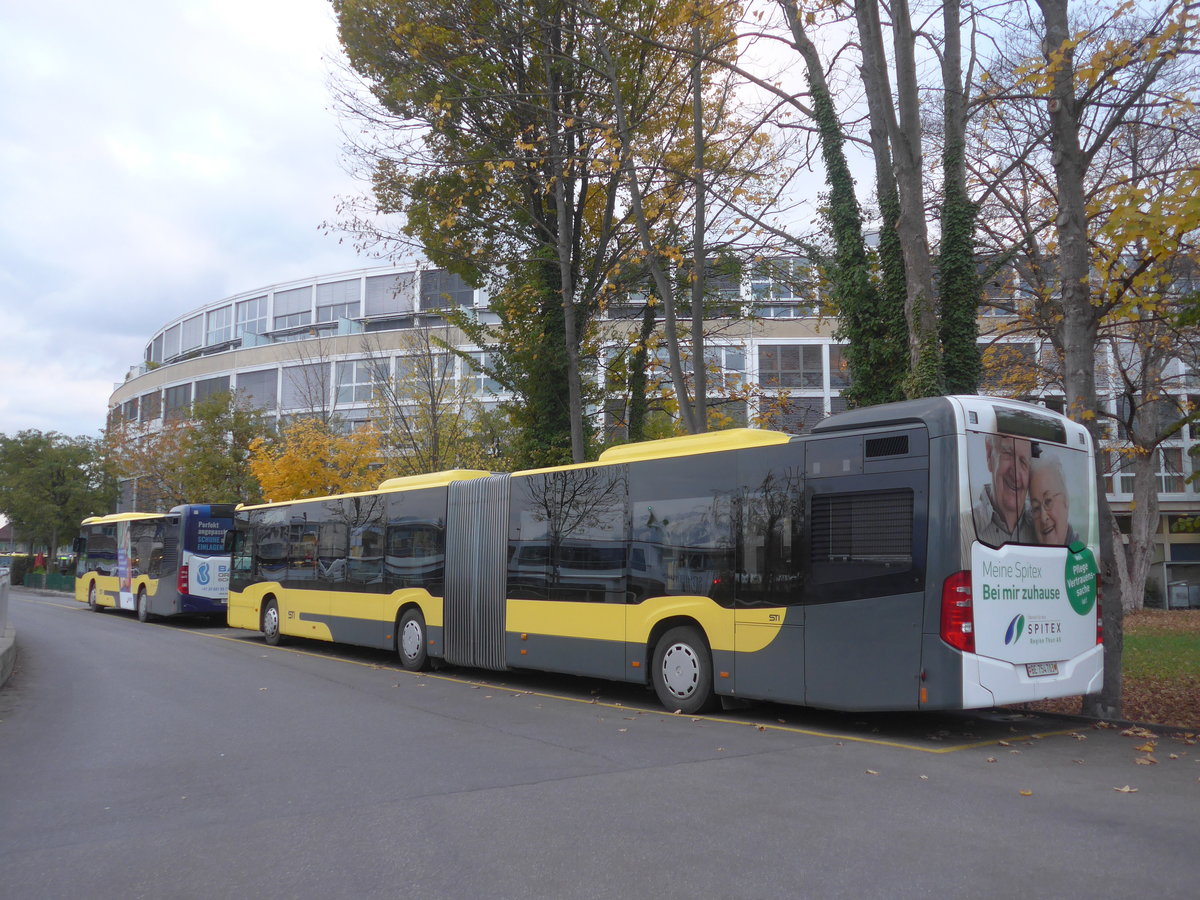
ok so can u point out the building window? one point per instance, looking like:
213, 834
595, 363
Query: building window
293, 308
784, 287
444, 290
839, 368
151, 405
252, 317
791, 366
725, 367
389, 294
220, 326
356, 380
425, 375
1170, 470
192, 335
473, 376
306, 387
177, 401
211, 386
261, 389
170, 343
794, 415
337, 300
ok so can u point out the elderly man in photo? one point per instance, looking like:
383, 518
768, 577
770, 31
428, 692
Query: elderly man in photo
1000, 514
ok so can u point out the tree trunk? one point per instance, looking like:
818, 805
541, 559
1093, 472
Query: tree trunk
699, 371
904, 139
959, 284
1079, 321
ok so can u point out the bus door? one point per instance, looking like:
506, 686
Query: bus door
868, 520
125, 563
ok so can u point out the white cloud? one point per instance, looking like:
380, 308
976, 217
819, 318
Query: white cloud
152, 159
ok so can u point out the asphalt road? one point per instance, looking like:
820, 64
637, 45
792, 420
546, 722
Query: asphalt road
186, 760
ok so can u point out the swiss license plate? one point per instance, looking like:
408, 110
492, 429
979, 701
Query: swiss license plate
1033, 670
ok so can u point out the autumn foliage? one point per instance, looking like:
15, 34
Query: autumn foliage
312, 459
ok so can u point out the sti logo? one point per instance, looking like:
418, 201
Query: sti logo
1015, 629
202, 575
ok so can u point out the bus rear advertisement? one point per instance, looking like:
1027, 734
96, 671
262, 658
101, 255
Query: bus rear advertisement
156, 564
931, 554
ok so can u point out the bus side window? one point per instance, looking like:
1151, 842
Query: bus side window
770, 560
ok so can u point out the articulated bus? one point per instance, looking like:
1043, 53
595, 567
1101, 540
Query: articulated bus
157, 564
930, 554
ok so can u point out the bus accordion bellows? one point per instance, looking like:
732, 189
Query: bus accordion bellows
157, 564
929, 554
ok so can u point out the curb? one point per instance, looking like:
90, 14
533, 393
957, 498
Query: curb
8, 653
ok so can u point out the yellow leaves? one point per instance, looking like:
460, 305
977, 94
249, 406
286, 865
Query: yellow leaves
1126, 790
311, 459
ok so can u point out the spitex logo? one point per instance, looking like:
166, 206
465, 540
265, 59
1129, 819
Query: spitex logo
1015, 628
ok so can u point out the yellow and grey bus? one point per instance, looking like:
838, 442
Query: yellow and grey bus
156, 564
931, 554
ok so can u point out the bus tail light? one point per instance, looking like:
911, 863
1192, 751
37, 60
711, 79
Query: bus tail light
958, 615
182, 581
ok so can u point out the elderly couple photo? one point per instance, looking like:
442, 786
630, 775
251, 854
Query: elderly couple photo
1021, 490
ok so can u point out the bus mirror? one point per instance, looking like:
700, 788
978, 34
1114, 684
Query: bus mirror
78, 545
230, 536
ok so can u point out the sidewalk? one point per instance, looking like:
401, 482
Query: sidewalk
8, 635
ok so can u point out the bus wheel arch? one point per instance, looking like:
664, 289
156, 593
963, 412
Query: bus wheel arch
681, 667
269, 621
412, 638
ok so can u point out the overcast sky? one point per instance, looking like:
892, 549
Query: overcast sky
154, 156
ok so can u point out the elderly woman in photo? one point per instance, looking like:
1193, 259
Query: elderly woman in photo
1049, 505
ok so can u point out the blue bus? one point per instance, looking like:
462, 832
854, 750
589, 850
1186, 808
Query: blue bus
156, 564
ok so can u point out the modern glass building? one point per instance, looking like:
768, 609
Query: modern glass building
324, 344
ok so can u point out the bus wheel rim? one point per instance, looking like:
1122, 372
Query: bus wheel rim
680, 670
411, 639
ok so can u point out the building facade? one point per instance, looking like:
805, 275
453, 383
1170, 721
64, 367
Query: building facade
324, 344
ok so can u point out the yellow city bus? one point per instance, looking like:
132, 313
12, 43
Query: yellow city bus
894, 558
156, 564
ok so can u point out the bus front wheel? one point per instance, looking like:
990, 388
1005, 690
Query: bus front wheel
270, 623
92, 604
143, 606
682, 671
411, 641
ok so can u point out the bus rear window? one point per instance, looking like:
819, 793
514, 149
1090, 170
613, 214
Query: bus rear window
1025, 491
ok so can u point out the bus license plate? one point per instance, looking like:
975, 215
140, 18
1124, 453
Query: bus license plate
1036, 669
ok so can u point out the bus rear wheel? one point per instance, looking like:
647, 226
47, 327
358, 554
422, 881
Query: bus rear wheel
270, 623
682, 671
143, 606
92, 604
411, 641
